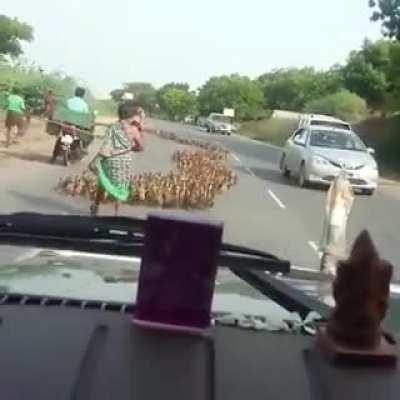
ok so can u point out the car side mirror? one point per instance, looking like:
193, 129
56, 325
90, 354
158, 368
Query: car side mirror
371, 151
299, 141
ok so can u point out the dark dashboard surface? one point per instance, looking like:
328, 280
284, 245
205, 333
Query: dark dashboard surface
71, 353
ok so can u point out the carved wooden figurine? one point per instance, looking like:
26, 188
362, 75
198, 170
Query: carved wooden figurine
361, 291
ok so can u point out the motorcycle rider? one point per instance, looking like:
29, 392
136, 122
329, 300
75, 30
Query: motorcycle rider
76, 104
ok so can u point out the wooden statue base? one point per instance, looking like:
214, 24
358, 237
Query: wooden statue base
384, 355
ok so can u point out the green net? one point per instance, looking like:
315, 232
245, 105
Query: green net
63, 114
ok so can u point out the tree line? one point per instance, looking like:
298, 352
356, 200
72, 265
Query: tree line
28, 77
369, 81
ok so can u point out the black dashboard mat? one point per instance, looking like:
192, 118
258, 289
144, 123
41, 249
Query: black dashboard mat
70, 353
61, 353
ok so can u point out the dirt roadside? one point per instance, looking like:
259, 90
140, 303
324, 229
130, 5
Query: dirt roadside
35, 145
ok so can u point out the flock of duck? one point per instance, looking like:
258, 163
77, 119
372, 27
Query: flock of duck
200, 175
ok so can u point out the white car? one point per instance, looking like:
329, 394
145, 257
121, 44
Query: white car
316, 155
219, 123
311, 120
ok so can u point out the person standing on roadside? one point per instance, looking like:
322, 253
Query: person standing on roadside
49, 104
15, 117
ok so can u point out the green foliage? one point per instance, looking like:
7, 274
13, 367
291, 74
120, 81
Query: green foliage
366, 73
273, 130
388, 13
343, 104
12, 33
177, 103
144, 92
291, 89
164, 89
383, 135
116, 94
233, 91
33, 83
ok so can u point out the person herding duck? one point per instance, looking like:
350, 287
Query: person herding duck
114, 161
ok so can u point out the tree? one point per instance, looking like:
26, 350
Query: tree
116, 94
177, 103
233, 91
34, 82
164, 89
292, 88
388, 13
343, 104
145, 93
12, 33
362, 78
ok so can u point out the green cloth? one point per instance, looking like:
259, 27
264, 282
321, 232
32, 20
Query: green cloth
15, 104
119, 192
114, 165
77, 104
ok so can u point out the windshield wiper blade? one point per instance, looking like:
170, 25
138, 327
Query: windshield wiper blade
71, 226
114, 236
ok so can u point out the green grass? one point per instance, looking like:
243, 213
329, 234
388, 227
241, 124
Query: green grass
274, 131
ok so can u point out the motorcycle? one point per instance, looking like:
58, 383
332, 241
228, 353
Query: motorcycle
68, 145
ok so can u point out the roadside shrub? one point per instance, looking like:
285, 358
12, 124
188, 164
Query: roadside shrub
33, 83
273, 130
344, 105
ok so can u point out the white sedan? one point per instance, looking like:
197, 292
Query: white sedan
317, 154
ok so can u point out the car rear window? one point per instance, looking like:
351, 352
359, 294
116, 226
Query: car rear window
331, 124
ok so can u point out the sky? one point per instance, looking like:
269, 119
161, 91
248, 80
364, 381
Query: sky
107, 42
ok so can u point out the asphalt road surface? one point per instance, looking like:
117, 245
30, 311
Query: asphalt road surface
287, 219
264, 210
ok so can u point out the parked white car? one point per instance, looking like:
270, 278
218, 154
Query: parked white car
311, 120
315, 155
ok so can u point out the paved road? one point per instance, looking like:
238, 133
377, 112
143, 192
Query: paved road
296, 214
264, 210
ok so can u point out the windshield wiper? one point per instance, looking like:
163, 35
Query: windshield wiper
123, 236
120, 236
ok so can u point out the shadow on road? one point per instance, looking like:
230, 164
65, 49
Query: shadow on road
47, 203
33, 157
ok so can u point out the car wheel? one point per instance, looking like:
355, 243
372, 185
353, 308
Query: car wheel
282, 166
302, 180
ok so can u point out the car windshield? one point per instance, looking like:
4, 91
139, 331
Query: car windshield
336, 140
331, 124
122, 109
